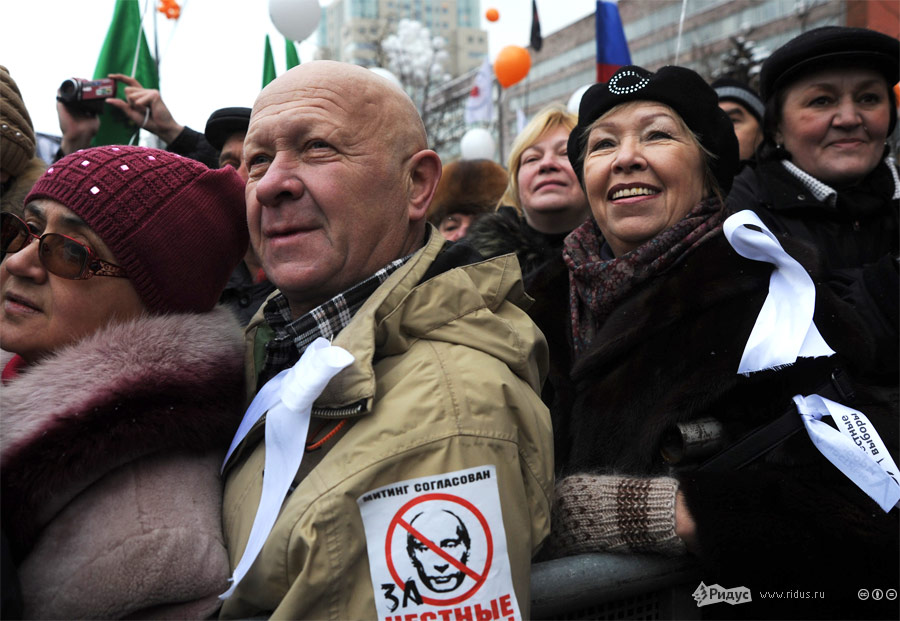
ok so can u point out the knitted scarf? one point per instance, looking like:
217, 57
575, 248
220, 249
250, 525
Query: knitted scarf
596, 286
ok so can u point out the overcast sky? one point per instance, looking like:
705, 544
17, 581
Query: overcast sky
210, 58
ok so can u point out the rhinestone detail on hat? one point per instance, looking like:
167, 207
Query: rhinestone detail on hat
85, 163
95, 190
123, 167
626, 90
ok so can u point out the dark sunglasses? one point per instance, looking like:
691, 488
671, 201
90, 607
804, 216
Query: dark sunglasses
59, 254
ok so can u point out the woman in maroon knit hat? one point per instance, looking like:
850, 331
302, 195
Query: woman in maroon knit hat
122, 384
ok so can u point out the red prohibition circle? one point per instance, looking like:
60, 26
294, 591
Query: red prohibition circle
395, 521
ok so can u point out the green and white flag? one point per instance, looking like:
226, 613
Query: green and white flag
125, 50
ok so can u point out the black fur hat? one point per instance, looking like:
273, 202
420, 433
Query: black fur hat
681, 89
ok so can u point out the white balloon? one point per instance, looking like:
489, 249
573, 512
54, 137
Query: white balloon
295, 19
477, 144
575, 99
384, 73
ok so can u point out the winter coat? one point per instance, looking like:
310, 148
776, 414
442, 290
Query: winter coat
191, 143
505, 231
846, 236
110, 455
670, 354
242, 295
446, 377
857, 240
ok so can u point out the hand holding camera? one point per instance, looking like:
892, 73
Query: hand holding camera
145, 108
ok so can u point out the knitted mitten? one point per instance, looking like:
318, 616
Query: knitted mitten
601, 513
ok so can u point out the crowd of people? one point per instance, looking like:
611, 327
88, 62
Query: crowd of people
297, 367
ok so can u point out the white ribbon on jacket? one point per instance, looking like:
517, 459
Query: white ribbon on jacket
784, 329
856, 449
288, 398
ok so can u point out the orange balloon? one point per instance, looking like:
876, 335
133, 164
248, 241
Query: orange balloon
492, 15
512, 64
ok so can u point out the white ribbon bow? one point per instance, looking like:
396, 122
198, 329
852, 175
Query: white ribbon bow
856, 450
784, 329
288, 398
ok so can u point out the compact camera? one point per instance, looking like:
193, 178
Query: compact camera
86, 96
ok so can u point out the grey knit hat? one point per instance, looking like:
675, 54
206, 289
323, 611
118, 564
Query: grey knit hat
735, 90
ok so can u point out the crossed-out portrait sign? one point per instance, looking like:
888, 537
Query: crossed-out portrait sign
437, 548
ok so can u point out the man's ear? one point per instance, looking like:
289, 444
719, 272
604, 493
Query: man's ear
424, 174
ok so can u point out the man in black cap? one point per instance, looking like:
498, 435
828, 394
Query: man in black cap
225, 131
745, 109
248, 286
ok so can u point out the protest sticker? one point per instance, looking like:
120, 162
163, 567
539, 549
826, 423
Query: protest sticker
437, 548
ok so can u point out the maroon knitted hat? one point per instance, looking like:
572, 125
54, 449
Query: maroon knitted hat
177, 227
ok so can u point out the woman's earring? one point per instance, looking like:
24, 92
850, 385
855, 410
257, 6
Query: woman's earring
780, 152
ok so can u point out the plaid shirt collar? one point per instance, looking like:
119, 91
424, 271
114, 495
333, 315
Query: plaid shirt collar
820, 191
327, 320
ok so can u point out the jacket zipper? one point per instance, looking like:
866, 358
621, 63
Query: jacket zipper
353, 409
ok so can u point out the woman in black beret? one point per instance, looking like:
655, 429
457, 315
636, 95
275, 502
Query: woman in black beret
824, 176
648, 315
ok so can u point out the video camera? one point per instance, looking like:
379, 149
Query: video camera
86, 96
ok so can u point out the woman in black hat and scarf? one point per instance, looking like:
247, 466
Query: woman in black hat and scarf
660, 309
824, 176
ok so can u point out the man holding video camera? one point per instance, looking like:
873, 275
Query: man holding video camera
79, 103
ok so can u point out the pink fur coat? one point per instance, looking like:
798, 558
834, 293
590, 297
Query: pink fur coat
109, 458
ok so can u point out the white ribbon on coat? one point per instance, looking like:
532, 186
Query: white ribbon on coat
288, 398
855, 448
784, 329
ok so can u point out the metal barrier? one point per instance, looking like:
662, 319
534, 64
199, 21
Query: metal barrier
614, 586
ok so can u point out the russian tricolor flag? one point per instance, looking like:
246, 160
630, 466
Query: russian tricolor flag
612, 48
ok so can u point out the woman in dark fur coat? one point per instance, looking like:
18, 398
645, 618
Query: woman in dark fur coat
660, 311
122, 384
543, 201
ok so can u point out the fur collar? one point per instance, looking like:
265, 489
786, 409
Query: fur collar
670, 353
505, 231
155, 384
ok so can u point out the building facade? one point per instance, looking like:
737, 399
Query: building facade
351, 30
566, 61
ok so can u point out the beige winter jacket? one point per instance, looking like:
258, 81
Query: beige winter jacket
449, 374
